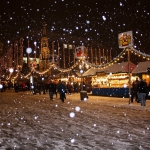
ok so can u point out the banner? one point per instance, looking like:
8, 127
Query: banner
125, 39
81, 52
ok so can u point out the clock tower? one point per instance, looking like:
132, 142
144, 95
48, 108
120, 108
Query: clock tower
44, 52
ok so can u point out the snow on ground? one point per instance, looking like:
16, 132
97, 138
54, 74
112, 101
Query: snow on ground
34, 122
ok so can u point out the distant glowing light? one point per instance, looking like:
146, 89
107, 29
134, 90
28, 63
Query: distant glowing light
11, 70
29, 50
124, 85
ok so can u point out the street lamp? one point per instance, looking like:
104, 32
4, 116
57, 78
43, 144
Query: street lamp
81, 72
11, 70
35, 50
29, 51
83, 93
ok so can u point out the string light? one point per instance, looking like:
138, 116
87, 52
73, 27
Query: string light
88, 64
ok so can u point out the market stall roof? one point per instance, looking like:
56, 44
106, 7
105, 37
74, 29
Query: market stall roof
115, 68
120, 67
92, 71
66, 74
141, 67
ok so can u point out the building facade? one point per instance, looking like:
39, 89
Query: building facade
48, 51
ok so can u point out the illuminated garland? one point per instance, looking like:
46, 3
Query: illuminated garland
103, 66
116, 59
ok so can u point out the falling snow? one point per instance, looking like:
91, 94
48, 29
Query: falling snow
99, 21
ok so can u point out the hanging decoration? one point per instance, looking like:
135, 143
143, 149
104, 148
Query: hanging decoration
103, 66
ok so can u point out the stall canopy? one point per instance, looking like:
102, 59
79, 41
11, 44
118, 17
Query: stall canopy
115, 68
91, 72
141, 67
120, 68
67, 74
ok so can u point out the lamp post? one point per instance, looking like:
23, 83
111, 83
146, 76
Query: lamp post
83, 92
35, 50
11, 70
29, 51
81, 72
129, 74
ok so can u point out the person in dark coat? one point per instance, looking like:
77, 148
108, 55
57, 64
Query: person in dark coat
142, 89
39, 88
62, 90
55, 89
34, 87
134, 93
43, 85
51, 89
58, 84
84, 86
16, 87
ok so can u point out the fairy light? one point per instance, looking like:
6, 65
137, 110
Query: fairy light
88, 64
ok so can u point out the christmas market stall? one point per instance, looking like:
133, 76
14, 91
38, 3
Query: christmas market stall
113, 80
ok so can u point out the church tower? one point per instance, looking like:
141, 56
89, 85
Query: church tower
44, 52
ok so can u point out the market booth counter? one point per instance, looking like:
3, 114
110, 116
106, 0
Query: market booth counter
113, 80
115, 85
114, 92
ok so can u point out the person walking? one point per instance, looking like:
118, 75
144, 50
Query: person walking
134, 93
39, 88
16, 87
55, 88
43, 85
51, 89
58, 87
62, 91
23, 86
142, 89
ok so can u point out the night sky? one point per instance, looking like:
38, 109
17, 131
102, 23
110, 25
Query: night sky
94, 20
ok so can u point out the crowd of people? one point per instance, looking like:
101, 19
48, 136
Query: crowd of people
53, 87
62, 88
139, 91
5, 85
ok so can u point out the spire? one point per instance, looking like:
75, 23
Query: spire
44, 28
